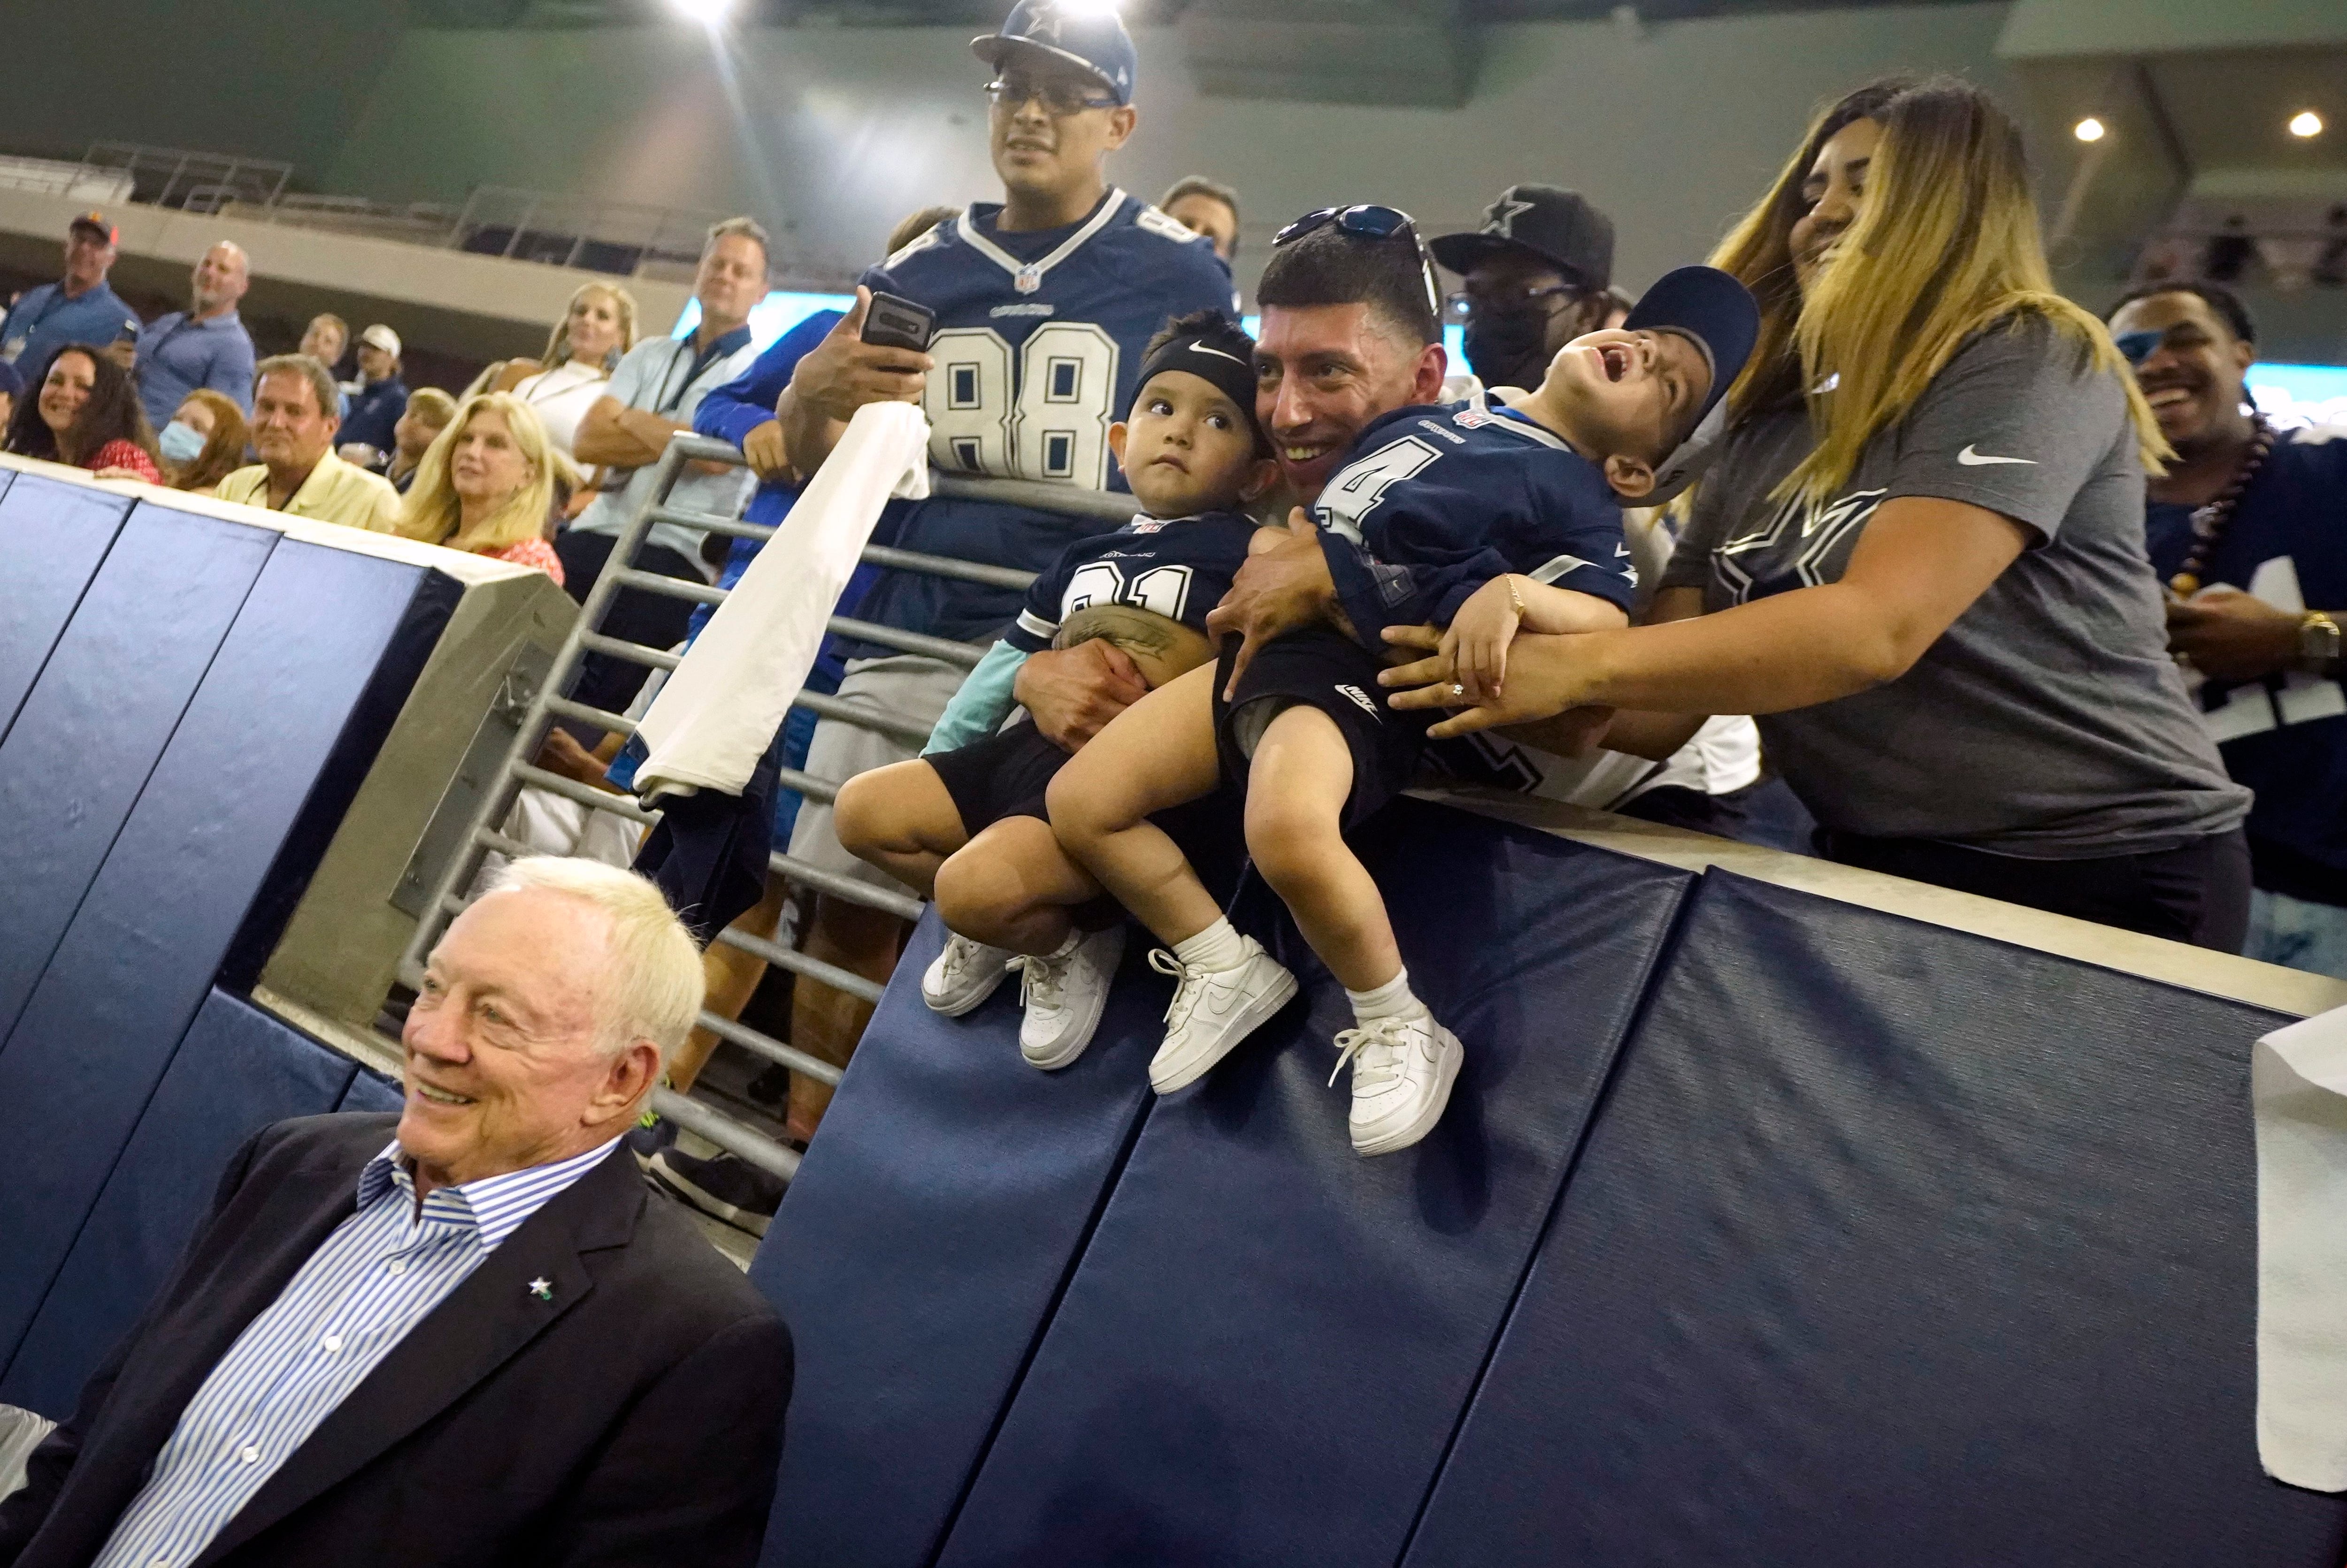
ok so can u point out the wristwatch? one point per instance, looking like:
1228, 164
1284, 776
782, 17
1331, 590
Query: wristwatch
2317, 644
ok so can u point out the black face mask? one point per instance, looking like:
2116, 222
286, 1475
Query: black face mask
1509, 348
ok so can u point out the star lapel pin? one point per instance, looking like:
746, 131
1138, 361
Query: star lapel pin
542, 1288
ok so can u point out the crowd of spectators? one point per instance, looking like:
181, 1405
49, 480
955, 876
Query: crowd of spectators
2006, 596
1835, 579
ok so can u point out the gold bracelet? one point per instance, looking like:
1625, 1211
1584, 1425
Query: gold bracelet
1513, 597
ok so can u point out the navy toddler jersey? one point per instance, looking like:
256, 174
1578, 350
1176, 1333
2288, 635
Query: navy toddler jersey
1441, 501
2285, 736
1039, 342
1181, 570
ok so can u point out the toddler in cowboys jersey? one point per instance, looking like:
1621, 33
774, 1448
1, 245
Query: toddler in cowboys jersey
1483, 518
965, 822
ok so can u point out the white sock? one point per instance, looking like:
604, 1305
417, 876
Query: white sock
1391, 999
1217, 947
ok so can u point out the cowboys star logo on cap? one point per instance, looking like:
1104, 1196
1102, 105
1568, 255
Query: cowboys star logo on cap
1500, 218
1043, 22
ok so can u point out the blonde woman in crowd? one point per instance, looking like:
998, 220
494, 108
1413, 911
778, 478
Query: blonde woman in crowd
1919, 559
580, 354
487, 485
204, 442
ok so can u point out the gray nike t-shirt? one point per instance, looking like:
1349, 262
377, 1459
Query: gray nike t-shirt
2049, 720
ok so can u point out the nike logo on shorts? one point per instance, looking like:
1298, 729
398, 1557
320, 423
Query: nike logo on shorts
1362, 698
1972, 457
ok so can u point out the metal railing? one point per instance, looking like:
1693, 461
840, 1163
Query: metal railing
587, 233
483, 834
197, 181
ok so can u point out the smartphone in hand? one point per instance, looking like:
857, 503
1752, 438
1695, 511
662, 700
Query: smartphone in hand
894, 323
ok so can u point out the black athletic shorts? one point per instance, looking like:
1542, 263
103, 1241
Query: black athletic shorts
1002, 776
1006, 774
1322, 668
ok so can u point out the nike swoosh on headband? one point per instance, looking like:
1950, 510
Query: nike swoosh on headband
1971, 458
1218, 353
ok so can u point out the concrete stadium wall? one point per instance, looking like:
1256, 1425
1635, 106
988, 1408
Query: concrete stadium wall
1673, 127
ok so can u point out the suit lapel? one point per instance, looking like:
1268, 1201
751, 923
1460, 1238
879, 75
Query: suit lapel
236, 1284
481, 1324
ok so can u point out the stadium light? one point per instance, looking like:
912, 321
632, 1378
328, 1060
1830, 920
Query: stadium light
2088, 129
708, 13
2305, 123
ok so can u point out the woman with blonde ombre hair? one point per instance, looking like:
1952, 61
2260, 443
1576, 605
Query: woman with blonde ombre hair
596, 329
1918, 557
487, 485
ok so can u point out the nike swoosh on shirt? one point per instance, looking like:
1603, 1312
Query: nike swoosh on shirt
1971, 458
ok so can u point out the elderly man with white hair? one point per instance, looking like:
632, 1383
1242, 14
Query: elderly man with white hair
205, 346
460, 1335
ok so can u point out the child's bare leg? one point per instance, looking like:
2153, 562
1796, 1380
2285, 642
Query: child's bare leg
1156, 755
900, 819
1014, 887
1297, 786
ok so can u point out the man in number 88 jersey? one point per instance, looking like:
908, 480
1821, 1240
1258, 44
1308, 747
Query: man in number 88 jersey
1044, 304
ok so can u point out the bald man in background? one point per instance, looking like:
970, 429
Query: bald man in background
205, 344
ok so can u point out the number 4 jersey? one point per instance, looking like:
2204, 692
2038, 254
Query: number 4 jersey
1439, 501
1039, 340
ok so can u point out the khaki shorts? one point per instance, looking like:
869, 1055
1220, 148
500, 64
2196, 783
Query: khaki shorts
905, 685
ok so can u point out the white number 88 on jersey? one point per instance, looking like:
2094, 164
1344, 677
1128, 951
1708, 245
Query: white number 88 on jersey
1039, 413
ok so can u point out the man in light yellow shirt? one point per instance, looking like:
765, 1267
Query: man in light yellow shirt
295, 413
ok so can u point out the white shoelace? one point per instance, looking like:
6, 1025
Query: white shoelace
1379, 1050
1044, 979
960, 954
1190, 984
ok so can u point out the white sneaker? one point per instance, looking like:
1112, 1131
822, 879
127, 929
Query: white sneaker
1402, 1071
963, 975
1064, 995
1213, 1010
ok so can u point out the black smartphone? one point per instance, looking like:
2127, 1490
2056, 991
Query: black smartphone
893, 322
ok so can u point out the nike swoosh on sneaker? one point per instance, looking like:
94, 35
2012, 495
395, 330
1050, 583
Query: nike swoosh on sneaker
1971, 457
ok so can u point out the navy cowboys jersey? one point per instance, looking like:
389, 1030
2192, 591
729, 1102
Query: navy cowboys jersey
2285, 736
1181, 570
1039, 345
1441, 501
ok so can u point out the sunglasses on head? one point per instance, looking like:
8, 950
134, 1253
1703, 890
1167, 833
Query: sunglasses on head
1369, 222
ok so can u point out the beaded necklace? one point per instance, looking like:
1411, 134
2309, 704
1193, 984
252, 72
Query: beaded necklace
2210, 521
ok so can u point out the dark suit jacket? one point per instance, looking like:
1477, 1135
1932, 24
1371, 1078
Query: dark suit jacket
634, 1419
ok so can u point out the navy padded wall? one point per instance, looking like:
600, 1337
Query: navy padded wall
370, 1091
920, 1247
1269, 1341
52, 538
1891, 1245
269, 743
107, 700
237, 1070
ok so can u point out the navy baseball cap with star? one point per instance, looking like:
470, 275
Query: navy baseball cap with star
1087, 36
1717, 314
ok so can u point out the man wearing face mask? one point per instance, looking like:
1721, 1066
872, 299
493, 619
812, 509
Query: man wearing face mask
1536, 274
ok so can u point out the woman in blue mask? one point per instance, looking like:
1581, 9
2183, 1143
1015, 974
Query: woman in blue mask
205, 440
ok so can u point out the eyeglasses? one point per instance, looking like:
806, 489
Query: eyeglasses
1465, 303
1367, 221
1059, 96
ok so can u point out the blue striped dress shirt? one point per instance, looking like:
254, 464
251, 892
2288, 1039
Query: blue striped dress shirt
371, 1282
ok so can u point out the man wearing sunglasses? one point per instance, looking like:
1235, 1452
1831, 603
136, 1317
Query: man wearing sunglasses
1044, 304
1535, 274
2249, 531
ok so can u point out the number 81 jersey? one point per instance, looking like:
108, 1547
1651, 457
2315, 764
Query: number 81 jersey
1040, 335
